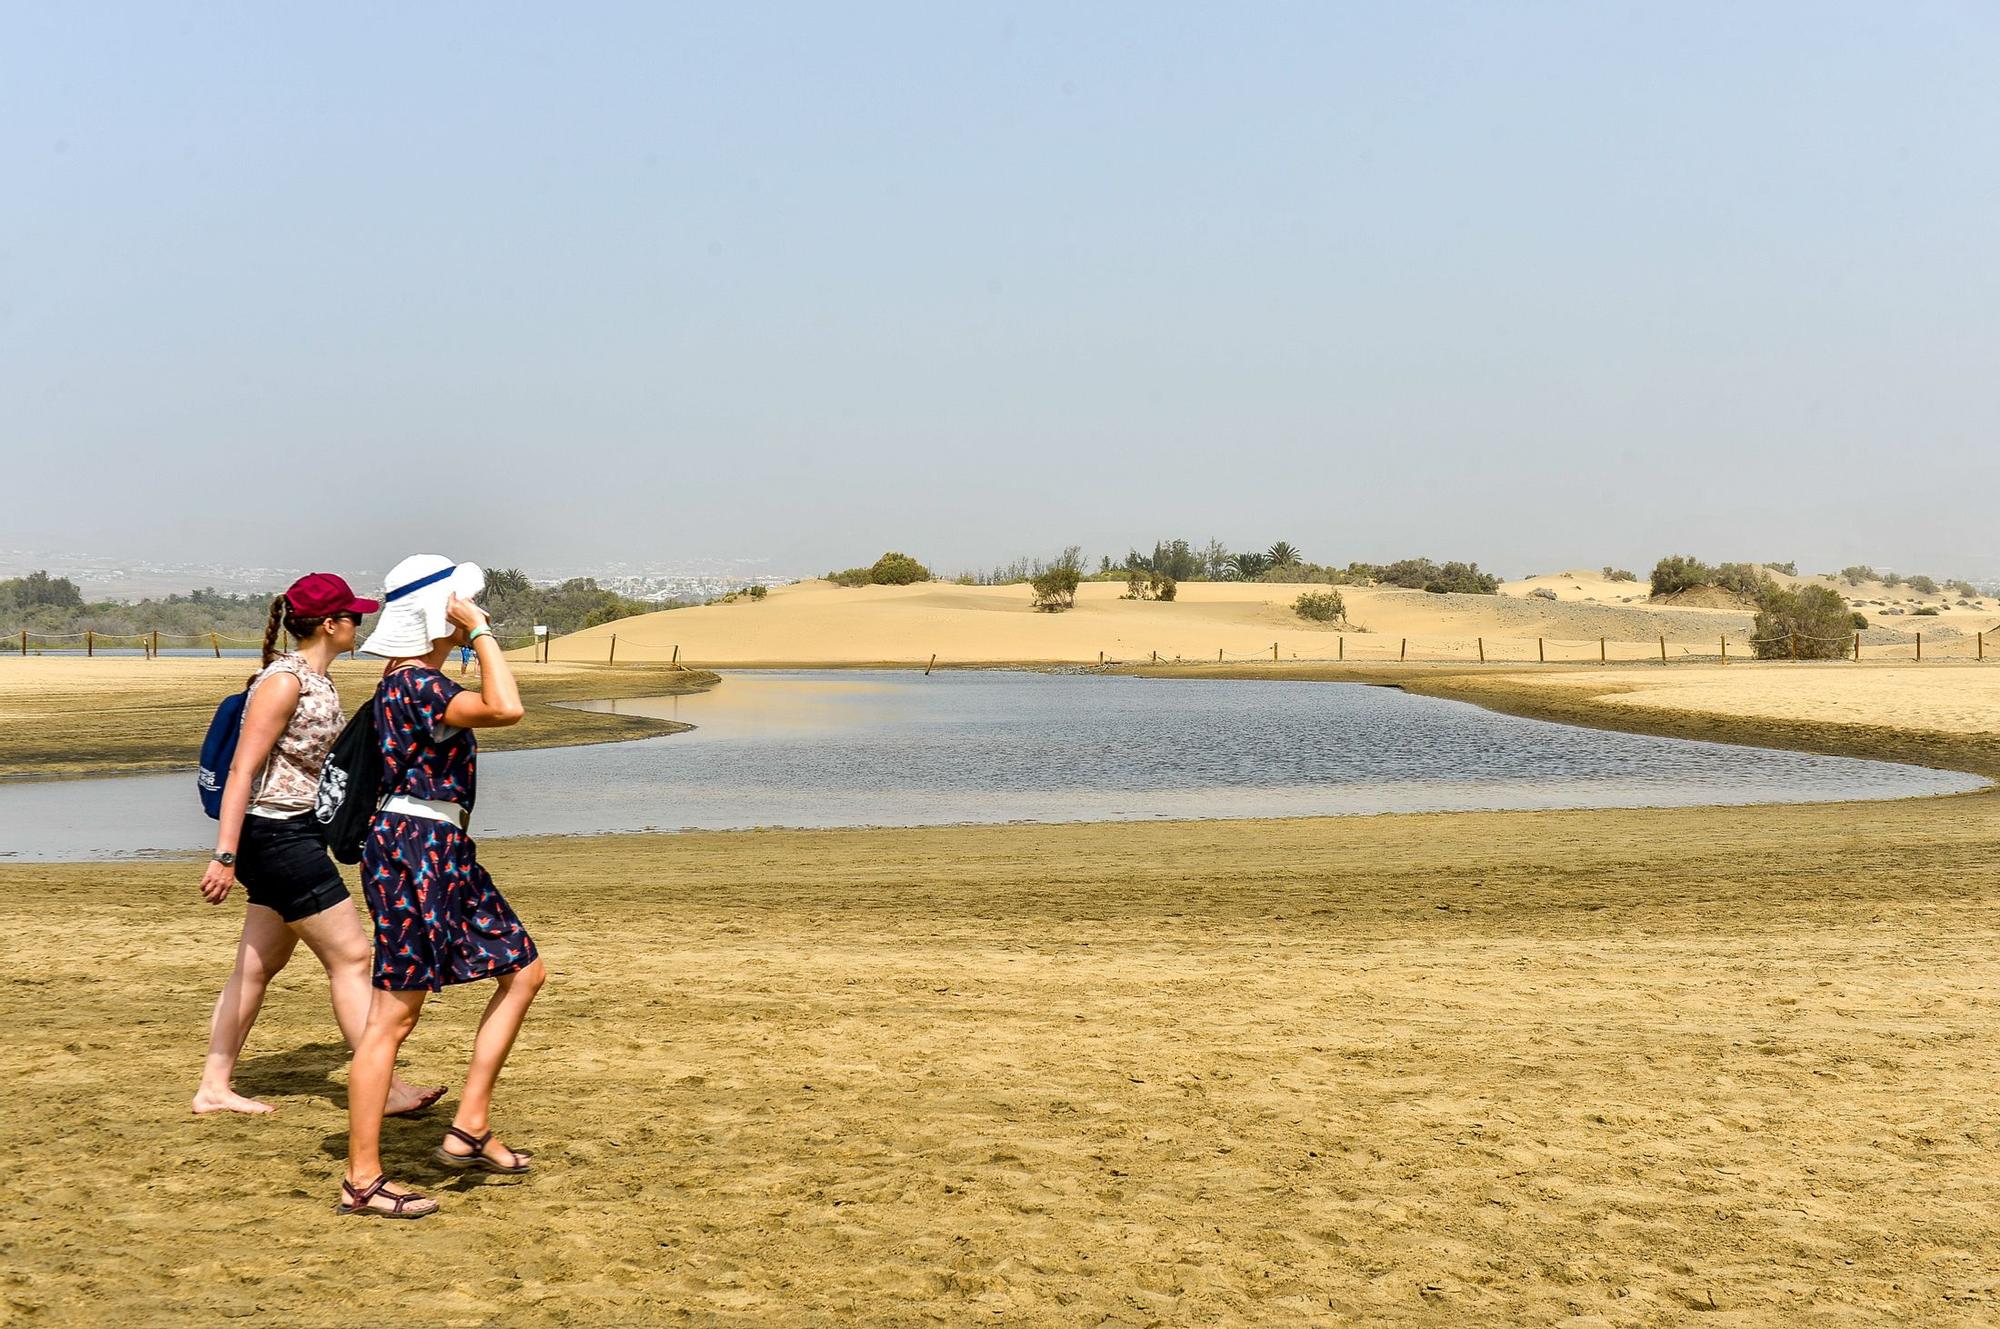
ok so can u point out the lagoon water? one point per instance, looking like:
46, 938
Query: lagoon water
893, 748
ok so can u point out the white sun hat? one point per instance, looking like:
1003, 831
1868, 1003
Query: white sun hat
413, 600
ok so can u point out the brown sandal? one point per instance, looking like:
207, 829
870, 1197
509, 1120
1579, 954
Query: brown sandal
479, 1158
356, 1201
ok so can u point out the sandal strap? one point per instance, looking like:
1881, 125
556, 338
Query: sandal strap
478, 1142
363, 1194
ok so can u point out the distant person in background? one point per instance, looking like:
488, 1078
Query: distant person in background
268, 839
439, 919
464, 659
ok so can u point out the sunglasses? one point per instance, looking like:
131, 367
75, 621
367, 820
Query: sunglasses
347, 615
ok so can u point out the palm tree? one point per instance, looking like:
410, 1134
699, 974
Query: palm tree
1282, 555
1249, 565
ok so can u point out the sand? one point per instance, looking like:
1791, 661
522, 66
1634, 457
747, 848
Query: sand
1545, 1068
816, 623
1586, 1068
69, 715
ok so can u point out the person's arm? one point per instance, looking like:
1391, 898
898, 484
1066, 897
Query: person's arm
264, 719
497, 704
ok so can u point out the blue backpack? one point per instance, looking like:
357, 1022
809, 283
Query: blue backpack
218, 750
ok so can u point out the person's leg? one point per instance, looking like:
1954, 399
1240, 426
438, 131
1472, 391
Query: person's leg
341, 943
266, 944
391, 1017
498, 1027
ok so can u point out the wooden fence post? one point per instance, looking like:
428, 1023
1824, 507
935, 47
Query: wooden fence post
1541, 651
90, 643
1218, 655
613, 657
1341, 647
1274, 652
1857, 648
1482, 648
1404, 654
24, 641
1725, 648
933, 664
677, 655
1601, 658
1156, 657
1795, 645
215, 642
1663, 648
156, 643
1982, 646
1920, 646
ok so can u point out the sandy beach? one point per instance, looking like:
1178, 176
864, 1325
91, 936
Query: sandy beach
1589, 1068
1576, 1068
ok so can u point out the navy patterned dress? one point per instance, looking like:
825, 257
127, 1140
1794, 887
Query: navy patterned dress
438, 917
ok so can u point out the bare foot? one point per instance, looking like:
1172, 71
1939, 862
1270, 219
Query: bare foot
405, 1099
227, 1100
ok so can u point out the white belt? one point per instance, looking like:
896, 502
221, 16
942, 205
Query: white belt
434, 808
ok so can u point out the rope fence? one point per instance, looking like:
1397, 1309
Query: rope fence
150, 644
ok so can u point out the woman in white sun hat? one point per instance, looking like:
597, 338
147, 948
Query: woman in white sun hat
439, 919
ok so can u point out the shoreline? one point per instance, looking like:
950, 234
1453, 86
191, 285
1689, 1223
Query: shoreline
131, 716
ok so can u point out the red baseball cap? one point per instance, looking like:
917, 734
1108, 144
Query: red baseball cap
322, 594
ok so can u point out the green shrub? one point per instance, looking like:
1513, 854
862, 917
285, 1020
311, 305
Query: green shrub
1859, 621
1055, 588
897, 570
1790, 569
1320, 607
1892, 579
1923, 585
1680, 572
1742, 579
1858, 573
1618, 574
851, 577
1966, 589
759, 591
1814, 618
1420, 574
1928, 611
1143, 585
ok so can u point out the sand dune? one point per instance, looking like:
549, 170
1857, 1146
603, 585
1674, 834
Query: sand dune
818, 623
815, 622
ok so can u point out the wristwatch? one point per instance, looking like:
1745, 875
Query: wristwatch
227, 860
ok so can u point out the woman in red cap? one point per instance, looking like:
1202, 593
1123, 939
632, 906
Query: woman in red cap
270, 841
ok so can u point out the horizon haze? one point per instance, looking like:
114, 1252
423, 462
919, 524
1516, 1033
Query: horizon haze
1543, 286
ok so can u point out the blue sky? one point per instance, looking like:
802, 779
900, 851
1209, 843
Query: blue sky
1536, 284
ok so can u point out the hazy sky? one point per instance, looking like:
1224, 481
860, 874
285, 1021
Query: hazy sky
1536, 284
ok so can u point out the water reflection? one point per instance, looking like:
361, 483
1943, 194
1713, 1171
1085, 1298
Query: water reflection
885, 748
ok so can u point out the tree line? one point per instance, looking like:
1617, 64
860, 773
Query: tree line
44, 604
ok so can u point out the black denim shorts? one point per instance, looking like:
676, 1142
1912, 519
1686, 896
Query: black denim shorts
283, 865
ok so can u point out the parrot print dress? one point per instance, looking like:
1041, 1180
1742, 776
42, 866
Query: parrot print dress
439, 919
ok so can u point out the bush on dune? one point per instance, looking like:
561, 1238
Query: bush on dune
892, 569
1812, 622
1321, 607
1681, 572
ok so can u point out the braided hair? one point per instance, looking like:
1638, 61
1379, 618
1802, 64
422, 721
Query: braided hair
299, 625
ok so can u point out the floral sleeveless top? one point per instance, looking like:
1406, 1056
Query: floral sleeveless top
291, 777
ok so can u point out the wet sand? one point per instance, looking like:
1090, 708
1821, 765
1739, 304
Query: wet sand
1587, 1068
